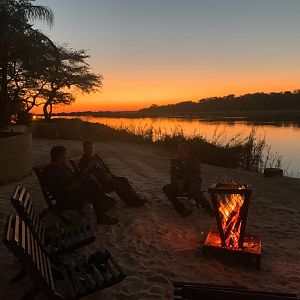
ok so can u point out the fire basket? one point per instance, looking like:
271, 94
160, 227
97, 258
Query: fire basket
231, 202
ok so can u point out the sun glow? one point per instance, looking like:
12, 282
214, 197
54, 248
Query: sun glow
132, 94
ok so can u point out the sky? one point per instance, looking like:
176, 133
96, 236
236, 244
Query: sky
167, 51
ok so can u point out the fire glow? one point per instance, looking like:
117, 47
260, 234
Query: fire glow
229, 210
231, 202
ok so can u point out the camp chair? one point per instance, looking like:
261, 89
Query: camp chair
49, 198
56, 242
62, 280
185, 194
74, 165
196, 291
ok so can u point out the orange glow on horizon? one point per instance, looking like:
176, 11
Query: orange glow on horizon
119, 94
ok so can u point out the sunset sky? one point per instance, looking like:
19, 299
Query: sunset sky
167, 51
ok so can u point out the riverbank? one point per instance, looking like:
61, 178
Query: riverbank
249, 152
253, 117
157, 247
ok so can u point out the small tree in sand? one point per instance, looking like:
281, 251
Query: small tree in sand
69, 72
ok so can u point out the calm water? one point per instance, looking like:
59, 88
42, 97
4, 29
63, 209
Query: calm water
282, 138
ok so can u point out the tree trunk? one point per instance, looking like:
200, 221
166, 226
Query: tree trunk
50, 111
4, 101
45, 111
47, 108
29, 108
4, 105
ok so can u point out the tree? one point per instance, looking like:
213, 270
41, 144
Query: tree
31, 75
16, 35
70, 71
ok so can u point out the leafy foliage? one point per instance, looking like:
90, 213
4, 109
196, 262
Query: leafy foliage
34, 71
69, 71
16, 40
250, 102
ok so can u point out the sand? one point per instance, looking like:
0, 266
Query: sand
156, 246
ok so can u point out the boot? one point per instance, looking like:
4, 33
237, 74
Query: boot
205, 204
137, 201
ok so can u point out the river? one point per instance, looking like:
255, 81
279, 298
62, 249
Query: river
284, 139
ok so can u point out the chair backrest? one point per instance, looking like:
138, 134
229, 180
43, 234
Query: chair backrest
20, 240
50, 199
26, 209
75, 165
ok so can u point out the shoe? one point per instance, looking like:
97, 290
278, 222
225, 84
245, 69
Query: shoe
184, 213
109, 201
205, 204
107, 220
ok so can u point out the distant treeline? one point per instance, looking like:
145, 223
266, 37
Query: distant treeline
288, 101
257, 107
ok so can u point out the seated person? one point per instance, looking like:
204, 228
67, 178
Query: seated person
72, 192
185, 179
91, 163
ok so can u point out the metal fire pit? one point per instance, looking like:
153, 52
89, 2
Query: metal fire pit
231, 202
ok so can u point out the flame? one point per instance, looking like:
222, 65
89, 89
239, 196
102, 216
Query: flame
229, 208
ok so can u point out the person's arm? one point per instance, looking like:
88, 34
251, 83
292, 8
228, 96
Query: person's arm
60, 181
173, 171
107, 170
175, 179
83, 164
68, 179
195, 170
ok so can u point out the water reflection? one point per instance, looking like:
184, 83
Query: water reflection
283, 138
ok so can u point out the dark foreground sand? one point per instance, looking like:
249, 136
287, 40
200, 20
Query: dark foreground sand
157, 247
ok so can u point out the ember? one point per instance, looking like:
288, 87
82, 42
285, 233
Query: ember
230, 202
229, 210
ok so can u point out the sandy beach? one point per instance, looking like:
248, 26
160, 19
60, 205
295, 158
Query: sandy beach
156, 246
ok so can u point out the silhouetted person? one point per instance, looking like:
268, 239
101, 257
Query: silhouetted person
185, 179
72, 192
91, 163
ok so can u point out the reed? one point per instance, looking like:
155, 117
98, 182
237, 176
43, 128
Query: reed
249, 152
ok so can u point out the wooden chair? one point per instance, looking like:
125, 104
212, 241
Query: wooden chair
49, 198
54, 242
61, 280
194, 291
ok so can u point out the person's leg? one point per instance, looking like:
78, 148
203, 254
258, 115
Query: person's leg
126, 192
194, 189
114, 185
73, 201
125, 184
102, 203
171, 192
118, 185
